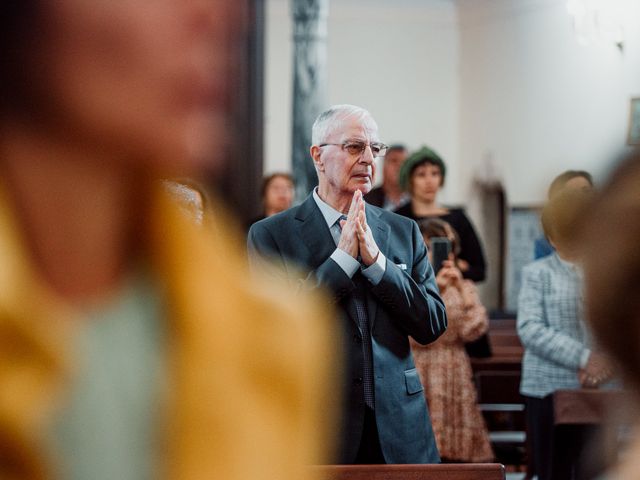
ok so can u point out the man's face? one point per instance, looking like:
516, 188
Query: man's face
341, 172
393, 161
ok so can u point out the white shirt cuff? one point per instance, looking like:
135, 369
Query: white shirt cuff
584, 359
375, 271
345, 261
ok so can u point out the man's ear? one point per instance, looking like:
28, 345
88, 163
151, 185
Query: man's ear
315, 155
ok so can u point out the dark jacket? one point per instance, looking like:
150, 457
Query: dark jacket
405, 302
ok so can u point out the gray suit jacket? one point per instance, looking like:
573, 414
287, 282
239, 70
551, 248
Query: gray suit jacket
405, 303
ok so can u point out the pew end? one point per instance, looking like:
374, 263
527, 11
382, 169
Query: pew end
443, 471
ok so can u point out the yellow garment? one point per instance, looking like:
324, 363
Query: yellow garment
251, 368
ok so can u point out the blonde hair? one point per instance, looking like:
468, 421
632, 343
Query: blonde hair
561, 217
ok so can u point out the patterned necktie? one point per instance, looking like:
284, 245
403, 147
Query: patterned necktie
360, 301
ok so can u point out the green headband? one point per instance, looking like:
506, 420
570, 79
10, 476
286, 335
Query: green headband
417, 158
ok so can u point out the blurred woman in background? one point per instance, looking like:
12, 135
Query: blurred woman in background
573, 180
277, 195
423, 175
129, 348
557, 348
444, 367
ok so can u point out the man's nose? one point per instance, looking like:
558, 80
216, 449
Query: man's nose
367, 155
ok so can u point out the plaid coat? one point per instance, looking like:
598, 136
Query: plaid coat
550, 326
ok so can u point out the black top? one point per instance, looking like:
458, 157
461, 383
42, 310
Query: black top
262, 216
375, 197
470, 248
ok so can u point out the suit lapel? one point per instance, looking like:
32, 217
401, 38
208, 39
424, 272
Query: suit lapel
315, 232
380, 231
318, 240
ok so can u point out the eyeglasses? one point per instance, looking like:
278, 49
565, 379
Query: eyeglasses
357, 148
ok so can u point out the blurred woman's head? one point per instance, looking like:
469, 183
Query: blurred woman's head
138, 81
435, 227
561, 217
277, 193
612, 266
423, 174
571, 180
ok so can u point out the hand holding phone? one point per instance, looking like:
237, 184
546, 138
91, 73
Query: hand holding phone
440, 250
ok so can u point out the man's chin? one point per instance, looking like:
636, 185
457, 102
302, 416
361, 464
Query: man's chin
363, 185
364, 188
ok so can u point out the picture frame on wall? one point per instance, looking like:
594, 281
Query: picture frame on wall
633, 137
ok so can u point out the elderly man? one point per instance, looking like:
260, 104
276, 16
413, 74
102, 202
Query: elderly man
390, 195
374, 265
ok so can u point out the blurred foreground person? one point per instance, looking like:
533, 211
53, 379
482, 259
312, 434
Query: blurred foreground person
612, 278
557, 347
444, 367
190, 196
375, 266
133, 345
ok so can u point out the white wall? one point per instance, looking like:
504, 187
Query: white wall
501, 81
534, 100
397, 58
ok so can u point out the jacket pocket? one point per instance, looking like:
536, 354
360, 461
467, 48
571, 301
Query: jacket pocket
412, 381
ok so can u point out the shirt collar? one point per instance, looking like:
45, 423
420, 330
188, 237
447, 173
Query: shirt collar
572, 267
330, 214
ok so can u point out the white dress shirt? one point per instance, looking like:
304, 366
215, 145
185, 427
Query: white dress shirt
346, 262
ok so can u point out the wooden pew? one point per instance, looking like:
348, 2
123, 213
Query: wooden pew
581, 419
498, 380
444, 471
584, 406
505, 346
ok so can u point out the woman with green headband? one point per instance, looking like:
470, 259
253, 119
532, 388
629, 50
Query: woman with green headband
422, 175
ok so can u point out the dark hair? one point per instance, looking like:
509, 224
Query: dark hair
420, 157
612, 267
436, 227
266, 181
18, 34
561, 180
396, 147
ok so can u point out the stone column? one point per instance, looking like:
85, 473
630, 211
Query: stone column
309, 85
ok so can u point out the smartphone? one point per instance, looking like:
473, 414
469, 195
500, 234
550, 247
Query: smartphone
440, 250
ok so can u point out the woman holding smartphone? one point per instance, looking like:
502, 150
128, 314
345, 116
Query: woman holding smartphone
423, 175
444, 367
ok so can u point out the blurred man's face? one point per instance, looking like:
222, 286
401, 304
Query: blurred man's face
393, 161
342, 172
142, 78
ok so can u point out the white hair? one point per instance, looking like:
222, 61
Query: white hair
326, 121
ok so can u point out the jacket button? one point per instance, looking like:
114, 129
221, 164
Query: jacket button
357, 381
